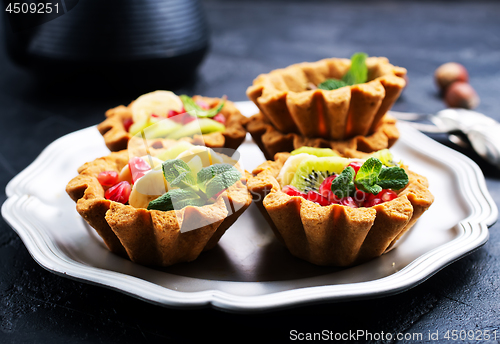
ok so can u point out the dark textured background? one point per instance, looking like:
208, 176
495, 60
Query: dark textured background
248, 38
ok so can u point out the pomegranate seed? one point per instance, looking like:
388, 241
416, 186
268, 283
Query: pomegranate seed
316, 197
155, 115
372, 202
349, 202
175, 116
356, 165
388, 195
220, 118
128, 123
383, 196
293, 191
119, 192
186, 118
108, 178
172, 113
360, 196
138, 167
325, 188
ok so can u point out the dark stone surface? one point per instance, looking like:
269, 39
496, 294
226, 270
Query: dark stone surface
248, 38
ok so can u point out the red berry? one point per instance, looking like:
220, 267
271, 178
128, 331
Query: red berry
220, 118
348, 201
387, 195
108, 178
356, 165
372, 202
316, 197
128, 123
175, 116
360, 196
186, 118
293, 191
138, 167
383, 196
325, 188
119, 192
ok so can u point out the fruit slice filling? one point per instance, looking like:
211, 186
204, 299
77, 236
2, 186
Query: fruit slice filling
165, 115
326, 179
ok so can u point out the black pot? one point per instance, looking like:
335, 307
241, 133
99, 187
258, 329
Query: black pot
138, 45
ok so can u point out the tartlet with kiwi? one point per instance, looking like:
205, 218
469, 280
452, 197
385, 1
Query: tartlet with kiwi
161, 209
335, 103
213, 122
336, 211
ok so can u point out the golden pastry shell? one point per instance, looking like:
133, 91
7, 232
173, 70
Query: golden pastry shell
116, 137
284, 98
336, 235
152, 237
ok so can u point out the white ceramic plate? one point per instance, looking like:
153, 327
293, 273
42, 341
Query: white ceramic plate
249, 270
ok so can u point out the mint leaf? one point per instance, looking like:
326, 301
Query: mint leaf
343, 186
195, 110
178, 173
393, 178
222, 181
176, 199
358, 73
367, 177
211, 171
332, 84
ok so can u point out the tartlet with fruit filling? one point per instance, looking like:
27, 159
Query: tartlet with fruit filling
335, 211
213, 122
164, 209
336, 103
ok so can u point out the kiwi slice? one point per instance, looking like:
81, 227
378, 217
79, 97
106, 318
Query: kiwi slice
311, 172
319, 152
200, 126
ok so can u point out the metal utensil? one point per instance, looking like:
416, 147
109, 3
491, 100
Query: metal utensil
482, 132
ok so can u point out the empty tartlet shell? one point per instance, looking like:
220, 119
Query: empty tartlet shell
272, 141
336, 235
152, 237
284, 97
116, 137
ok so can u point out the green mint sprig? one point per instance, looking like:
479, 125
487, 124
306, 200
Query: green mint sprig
195, 110
357, 74
372, 177
190, 189
343, 185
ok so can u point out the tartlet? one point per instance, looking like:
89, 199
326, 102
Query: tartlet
116, 136
272, 141
336, 235
153, 237
288, 104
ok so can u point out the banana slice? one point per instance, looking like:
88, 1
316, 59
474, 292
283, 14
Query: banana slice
288, 170
157, 102
147, 188
207, 155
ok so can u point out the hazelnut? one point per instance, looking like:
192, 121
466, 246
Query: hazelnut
449, 73
461, 95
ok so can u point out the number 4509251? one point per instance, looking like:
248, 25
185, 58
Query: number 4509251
23, 7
